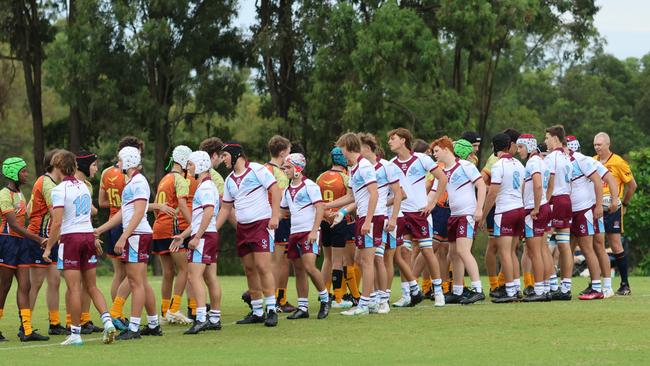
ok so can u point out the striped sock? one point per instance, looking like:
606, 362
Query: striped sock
364, 301
214, 316
554, 282
270, 303
566, 285
324, 296
413, 285
437, 286
201, 312
106, 320
539, 288
257, 307
596, 286
134, 324
511, 289
303, 303
547, 287
477, 286
152, 321
384, 296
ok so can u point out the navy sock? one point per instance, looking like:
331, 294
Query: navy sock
621, 264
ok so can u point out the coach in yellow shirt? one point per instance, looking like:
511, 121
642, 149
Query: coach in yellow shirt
621, 172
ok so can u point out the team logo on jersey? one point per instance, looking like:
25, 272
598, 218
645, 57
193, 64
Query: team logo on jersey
461, 229
582, 228
329, 182
112, 180
92, 259
264, 244
293, 192
424, 230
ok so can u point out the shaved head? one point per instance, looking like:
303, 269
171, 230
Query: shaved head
601, 144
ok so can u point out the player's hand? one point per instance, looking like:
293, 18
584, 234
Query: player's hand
598, 212
427, 209
98, 246
194, 243
175, 246
313, 237
390, 225
97, 233
534, 213
365, 228
613, 207
166, 209
481, 224
478, 215
43, 242
337, 218
119, 245
273, 223
46, 255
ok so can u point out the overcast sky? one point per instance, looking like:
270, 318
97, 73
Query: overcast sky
624, 23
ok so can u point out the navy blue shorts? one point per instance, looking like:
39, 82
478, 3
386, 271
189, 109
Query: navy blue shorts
14, 252
440, 216
112, 236
349, 232
489, 221
613, 222
282, 232
36, 254
161, 246
335, 236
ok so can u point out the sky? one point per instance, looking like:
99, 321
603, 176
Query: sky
623, 23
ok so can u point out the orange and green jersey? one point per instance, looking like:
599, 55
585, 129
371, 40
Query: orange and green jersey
217, 179
113, 182
12, 201
171, 187
333, 185
40, 205
620, 170
280, 177
192, 185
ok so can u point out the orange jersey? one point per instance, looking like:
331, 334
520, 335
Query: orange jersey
171, 187
113, 182
443, 199
11, 202
333, 185
193, 185
41, 202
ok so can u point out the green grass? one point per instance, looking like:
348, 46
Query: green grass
613, 331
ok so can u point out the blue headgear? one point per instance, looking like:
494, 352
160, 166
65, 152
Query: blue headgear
337, 157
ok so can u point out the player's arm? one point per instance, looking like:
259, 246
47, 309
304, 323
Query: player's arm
20, 228
491, 197
481, 193
538, 190
549, 189
103, 199
55, 232
341, 201
342, 212
139, 208
164, 207
397, 204
111, 223
320, 212
208, 211
224, 214
276, 196
372, 205
486, 177
598, 189
630, 188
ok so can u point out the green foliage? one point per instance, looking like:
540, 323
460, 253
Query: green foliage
637, 215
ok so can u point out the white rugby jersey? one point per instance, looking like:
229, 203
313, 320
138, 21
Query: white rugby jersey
412, 174
136, 189
509, 173
385, 177
249, 193
361, 176
74, 197
460, 187
535, 165
394, 170
582, 188
206, 195
301, 202
561, 169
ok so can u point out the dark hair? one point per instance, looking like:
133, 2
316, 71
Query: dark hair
368, 139
501, 142
471, 136
65, 161
513, 134
420, 146
350, 141
278, 144
211, 145
296, 147
557, 131
402, 133
130, 141
47, 160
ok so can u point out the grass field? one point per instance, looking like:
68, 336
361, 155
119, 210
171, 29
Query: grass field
613, 331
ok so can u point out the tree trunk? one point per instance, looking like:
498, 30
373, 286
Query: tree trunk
74, 117
458, 59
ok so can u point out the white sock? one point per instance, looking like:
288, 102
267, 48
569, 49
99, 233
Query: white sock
152, 321
566, 285
554, 283
511, 289
437, 286
106, 319
607, 283
406, 290
457, 290
539, 288
201, 314
517, 283
75, 331
214, 316
134, 324
324, 296
477, 286
257, 307
303, 303
270, 303
596, 286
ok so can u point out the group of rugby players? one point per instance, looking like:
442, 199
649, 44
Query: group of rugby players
368, 214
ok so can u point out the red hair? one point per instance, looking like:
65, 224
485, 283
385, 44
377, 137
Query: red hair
444, 143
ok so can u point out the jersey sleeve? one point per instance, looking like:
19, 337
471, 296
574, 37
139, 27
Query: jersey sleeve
550, 162
471, 171
534, 166
428, 163
181, 186
497, 173
58, 196
227, 195
601, 169
368, 174
314, 193
587, 166
208, 196
48, 186
140, 191
624, 171
265, 177
6, 205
